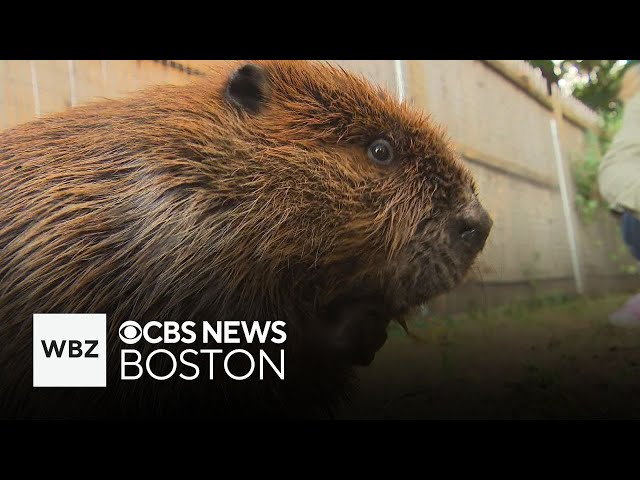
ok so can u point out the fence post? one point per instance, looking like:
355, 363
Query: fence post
400, 79
71, 65
565, 188
35, 87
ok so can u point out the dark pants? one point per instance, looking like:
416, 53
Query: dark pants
631, 233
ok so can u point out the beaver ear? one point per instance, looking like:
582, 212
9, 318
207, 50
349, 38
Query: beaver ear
248, 87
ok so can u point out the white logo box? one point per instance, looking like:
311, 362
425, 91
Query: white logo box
64, 370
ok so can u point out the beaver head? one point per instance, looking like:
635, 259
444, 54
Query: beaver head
367, 202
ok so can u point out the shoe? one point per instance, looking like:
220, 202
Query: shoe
629, 315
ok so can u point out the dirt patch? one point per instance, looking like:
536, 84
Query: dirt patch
549, 358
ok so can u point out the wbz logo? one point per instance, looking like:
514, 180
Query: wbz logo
69, 350
75, 348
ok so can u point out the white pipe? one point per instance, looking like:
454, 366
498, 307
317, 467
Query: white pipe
566, 206
399, 69
72, 81
36, 90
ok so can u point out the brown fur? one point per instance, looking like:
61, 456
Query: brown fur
174, 204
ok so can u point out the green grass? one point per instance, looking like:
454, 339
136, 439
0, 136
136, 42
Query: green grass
551, 357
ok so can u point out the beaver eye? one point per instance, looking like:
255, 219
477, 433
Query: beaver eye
380, 151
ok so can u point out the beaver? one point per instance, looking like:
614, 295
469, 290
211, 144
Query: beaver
263, 190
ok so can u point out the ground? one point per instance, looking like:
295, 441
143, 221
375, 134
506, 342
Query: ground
549, 358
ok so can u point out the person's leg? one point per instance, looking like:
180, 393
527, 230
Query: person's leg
631, 233
629, 314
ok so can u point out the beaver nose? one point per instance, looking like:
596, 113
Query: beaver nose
471, 228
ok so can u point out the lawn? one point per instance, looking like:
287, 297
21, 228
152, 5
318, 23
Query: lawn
548, 358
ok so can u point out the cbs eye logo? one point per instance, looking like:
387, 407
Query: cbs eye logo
130, 332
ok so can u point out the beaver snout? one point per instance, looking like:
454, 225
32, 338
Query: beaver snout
469, 231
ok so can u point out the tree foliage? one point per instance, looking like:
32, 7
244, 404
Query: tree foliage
594, 82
